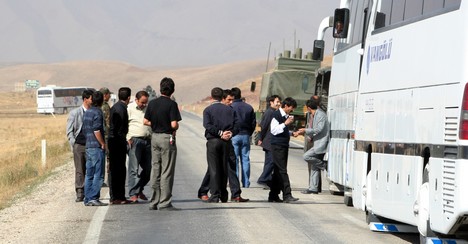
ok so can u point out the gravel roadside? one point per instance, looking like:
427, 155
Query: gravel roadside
49, 214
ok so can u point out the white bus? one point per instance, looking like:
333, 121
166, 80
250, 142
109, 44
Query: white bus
60, 100
398, 108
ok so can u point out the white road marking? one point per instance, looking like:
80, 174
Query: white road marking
94, 229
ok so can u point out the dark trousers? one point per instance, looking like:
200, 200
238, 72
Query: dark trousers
280, 181
268, 165
79, 158
217, 155
234, 183
139, 155
118, 171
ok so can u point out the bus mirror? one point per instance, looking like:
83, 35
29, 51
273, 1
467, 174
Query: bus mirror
319, 46
341, 23
379, 20
252, 86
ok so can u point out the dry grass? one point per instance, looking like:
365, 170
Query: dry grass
21, 132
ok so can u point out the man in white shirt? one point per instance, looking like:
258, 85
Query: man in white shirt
139, 142
280, 149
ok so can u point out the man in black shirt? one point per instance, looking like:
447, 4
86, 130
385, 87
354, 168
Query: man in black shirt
163, 115
118, 129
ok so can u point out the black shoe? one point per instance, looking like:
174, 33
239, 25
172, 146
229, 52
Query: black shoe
224, 199
309, 192
96, 203
274, 199
153, 208
169, 208
239, 199
213, 199
79, 199
290, 199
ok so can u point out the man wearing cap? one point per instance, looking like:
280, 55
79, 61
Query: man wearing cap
105, 111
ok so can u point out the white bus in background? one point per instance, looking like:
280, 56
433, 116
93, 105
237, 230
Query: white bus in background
398, 108
59, 100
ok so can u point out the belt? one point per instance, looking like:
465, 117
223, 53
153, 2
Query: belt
142, 137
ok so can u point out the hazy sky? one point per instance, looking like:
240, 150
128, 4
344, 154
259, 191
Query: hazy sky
158, 32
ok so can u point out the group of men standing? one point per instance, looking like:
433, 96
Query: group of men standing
228, 127
229, 122
146, 132
274, 139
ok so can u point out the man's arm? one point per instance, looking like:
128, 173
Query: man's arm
317, 128
175, 125
70, 127
253, 122
97, 126
100, 139
146, 122
209, 125
277, 128
265, 123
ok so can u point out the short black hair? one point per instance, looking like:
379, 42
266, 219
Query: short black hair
140, 94
226, 92
124, 93
313, 103
167, 86
217, 93
98, 99
236, 93
289, 101
272, 98
87, 94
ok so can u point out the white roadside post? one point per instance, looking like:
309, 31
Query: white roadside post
44, 152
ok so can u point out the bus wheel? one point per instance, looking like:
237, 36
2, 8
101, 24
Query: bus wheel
348, 201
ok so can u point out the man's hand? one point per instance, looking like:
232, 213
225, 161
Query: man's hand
299, 132
226, 135
259, 143
289, 120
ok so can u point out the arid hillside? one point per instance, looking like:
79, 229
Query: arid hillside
192, 84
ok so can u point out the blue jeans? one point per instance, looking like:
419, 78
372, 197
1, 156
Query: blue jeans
94, 167
241, 145
138, 155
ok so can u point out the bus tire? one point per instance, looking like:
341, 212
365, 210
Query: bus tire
348, 201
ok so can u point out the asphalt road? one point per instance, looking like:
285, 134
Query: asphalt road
319, 218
